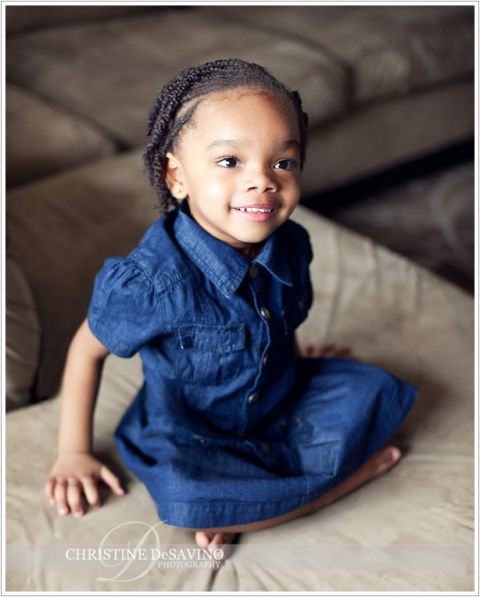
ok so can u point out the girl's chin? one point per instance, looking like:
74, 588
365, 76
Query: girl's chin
246, 240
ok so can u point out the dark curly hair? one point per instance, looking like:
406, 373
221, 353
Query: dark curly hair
166, 119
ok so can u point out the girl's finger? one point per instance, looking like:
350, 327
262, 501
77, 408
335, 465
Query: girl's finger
342, 351
111, 480
48, 490
74, 497
60, 494
329, 353
326, 348
91, 491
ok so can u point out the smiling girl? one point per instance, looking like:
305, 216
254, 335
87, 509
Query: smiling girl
235, 428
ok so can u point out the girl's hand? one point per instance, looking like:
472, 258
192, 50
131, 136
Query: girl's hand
74, 474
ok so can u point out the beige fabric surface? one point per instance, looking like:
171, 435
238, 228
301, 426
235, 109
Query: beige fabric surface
43, 138
388, 49
411, 530
85, 75
21, 18
74, 220
22, 337
374, 137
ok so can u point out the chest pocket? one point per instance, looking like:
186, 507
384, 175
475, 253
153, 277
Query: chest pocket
209, 354
295, 312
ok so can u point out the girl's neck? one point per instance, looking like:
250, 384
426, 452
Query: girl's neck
251, 251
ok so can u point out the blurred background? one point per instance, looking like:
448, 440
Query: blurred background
390, 95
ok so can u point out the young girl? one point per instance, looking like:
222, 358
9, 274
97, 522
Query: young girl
234, 428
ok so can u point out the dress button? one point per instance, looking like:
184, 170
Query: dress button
253, 271
252, 397
265, 447
265, 312
265, 359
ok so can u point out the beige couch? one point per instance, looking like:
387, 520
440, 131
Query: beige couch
411, 530
79, 87
80, 82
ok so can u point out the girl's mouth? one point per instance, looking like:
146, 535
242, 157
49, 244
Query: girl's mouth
257, 214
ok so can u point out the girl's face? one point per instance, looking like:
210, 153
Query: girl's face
238, 164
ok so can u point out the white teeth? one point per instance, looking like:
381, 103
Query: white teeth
255, 210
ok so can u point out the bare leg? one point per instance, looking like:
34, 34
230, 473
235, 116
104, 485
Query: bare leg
378, 464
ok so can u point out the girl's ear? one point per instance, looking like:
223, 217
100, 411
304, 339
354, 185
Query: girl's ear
174, 176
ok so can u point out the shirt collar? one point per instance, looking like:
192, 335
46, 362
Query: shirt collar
223, 265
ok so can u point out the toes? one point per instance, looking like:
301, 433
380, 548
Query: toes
388, 457
224, 542
216, 541
395, 454
203, 539
221, 539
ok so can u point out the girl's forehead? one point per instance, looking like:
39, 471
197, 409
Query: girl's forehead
237, 94
243, 103
239, 113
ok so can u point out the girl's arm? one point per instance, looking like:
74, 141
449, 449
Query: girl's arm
76, 470
81, 379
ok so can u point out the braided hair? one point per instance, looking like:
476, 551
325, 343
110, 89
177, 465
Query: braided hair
174, 107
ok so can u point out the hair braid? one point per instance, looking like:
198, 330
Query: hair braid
167, 119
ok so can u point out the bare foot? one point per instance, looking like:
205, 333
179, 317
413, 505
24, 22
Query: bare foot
211, 540
378, 464
326, 350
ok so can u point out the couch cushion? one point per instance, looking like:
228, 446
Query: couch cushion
373, 137
24, 18
60, 230
22, 337
387, 49
43, 139
74, 65
411, 530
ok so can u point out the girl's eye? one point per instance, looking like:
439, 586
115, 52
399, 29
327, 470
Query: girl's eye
286, 165
228, 162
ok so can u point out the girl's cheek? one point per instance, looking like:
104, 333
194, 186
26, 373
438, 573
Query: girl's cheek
217, 188
224, 173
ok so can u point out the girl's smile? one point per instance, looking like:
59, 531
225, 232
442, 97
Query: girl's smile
256, 214
238, 165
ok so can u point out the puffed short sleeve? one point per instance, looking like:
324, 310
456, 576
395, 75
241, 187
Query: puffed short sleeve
305, 246
298, 298
123, 311
304, 257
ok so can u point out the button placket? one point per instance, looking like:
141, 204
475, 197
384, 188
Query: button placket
265, 313
253, 271
254, 396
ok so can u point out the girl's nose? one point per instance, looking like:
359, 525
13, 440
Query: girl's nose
261, 180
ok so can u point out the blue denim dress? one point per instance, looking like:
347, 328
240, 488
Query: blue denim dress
229, 426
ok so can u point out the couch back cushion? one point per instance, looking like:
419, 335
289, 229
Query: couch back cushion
60, 230
24, 18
